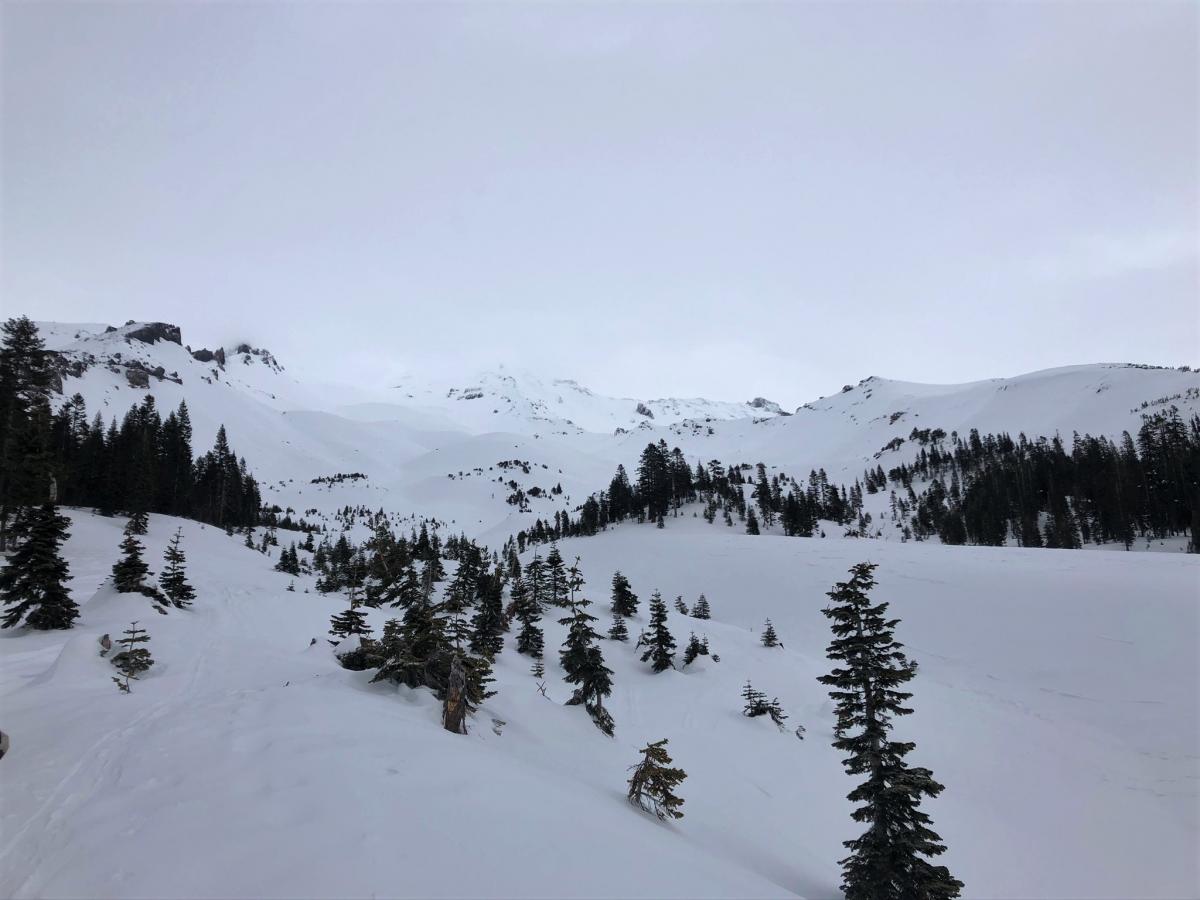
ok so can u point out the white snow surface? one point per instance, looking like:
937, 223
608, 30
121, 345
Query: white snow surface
1056, 700
410, 438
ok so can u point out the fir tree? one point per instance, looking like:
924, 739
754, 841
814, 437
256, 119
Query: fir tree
353, 621
173, 580
33, 584
701, 610
751, 522
618, 631
660, 645
755, 701
888, 861
557, 579
695, 647
132, 660
581, 658
139, 524
530, 639
487, 637
129, 572
769, 637
680, 606
652, 785
624, 600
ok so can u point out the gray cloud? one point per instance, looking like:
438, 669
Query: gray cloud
720, 199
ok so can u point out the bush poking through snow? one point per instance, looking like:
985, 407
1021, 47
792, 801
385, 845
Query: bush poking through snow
652, 784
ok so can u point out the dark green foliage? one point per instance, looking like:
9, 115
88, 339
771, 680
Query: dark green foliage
888, 862
488, 624
624, 600
653, 783
769, 637
530, 639
695, 647
173, 579
352, 621
131, 660
556, 579
33, 584
618, 631
701, 609
581, 658
680, 606
751, 522
660, 645
129, 572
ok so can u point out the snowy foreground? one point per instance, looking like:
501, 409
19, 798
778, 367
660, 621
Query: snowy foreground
1057, 701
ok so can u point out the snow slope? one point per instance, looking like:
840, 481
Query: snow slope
1057, 701
409, 439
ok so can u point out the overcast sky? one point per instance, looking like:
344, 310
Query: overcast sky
676, 198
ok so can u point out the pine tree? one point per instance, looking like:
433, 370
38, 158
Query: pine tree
556, 579
487, 637
751, 522
33, 584
756, 701
173, 579
581, 658
353, 621
139, 524
701, 609
695, 647
132, 660
624, 600
887, 861
618, 631
530, 639
660, 649
652, 785
129, 572
769, 637
680, 606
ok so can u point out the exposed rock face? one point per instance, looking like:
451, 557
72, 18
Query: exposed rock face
137, 377
205, 356
768, 406
155, 331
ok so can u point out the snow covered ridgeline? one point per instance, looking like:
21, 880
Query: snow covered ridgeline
1061, 722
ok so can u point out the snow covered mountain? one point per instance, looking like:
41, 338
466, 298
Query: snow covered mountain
1056, 697
457, 450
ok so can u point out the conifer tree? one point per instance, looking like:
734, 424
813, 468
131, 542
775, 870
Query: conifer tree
581, 658
653, 783
618, 631
660, 645
173, 580
751, 522
680, 606
888, 861
139, 524
624, 600
556, 582
132, 660
695, 647
353, 621
769, 637
530, 639
701, 609
755, 701
33, 584
487, 637
129, 572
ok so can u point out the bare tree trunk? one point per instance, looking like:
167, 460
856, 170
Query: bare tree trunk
454, 712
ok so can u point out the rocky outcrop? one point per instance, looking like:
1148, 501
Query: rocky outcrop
149, 332
767, 406
205, 356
